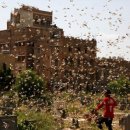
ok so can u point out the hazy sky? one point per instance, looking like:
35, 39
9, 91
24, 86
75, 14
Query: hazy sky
108, 21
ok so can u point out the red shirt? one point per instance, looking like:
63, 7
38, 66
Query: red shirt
108, 103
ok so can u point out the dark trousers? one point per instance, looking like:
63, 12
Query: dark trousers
107, 121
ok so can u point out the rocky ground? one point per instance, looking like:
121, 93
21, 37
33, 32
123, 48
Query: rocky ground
76, 110
87, 125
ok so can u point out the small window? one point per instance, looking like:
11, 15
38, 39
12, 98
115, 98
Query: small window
67, 73
70, 49
56, 62
66, 61
17, 18
36, 19
43, 21
20, 58
91, 62
38, 50
48, 23
78, 62
5, 51
30, 44
85, 50
71, 62
19, 43
85, 61
78, 49
56, 73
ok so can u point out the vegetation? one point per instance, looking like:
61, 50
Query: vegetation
34, 114
29, 85
120, 86
32, 120
6, 78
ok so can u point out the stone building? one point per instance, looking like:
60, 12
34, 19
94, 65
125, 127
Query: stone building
34, 42
109, 69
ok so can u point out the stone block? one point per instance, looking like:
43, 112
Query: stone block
124, 122
8, 123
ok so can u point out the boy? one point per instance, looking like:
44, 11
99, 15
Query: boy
108, 103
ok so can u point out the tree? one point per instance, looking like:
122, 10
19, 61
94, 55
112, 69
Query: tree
120, 87
6, 78
29, 85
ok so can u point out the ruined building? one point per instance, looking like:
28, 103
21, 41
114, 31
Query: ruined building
32, 41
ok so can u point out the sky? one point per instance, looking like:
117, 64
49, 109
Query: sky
108, 21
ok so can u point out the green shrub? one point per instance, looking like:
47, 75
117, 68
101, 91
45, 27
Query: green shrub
6, 78
29, 85
31, 120
120, 87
